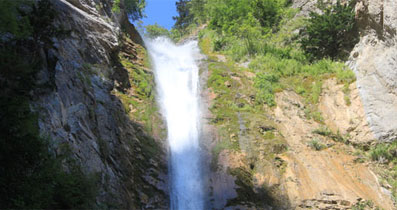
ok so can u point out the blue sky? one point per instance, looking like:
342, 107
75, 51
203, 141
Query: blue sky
161, 12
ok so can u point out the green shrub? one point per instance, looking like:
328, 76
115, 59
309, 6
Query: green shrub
324, 131
362, 205
331, 33
134, 8
267, 12
317, 116
346, 76
155, 30
184, 18
265, 85
384, 151
218, 44
11, 21
317, 145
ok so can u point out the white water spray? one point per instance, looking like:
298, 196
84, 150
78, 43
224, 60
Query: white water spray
177, 77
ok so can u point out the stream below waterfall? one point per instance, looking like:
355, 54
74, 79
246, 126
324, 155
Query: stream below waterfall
177, 81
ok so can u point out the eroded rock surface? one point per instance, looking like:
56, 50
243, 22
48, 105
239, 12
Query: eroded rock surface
325, 179
344, 112
374, 60
81, 112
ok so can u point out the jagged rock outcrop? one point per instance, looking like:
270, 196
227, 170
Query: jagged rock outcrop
81, 112
374, 60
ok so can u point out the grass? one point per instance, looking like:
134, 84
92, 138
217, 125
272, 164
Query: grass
384, 159
362, 205
324, 131
139, 102
278, 62
316, 144
235, 93
384, 152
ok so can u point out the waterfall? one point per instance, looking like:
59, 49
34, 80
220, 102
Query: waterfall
177, 79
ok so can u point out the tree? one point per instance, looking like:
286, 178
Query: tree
330, 34
134, 8
267, 12
185, 17
197, 10
155, 30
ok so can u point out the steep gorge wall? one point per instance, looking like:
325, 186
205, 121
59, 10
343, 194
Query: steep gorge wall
84, 113
374, 60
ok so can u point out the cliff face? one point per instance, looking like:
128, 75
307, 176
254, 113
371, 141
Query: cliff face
374, 60
288, 157
87, 112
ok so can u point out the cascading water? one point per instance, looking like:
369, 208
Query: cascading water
177, 77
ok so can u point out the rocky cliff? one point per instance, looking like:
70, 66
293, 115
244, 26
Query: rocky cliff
97, 72
374, 60
305, 154
95, 102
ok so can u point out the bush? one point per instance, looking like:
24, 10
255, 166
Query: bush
324, 131
134, 8
155, 30
346, 76
265, 85
267, 12
384, 152
331, 34
184, 18
10, 22
317, 145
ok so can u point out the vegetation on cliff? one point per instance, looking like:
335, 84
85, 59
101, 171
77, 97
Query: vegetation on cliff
134, 8
255, 50
330, 34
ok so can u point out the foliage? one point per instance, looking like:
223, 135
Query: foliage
10, 22
155, 30
267, 12
184, 18
331, 33
134, 8
197, 10
324, 131
385, 155
363, 204
266, 84
317, 145
384, 152
346, 76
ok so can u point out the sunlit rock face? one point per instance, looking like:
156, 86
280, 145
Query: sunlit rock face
374, 60
81, 111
